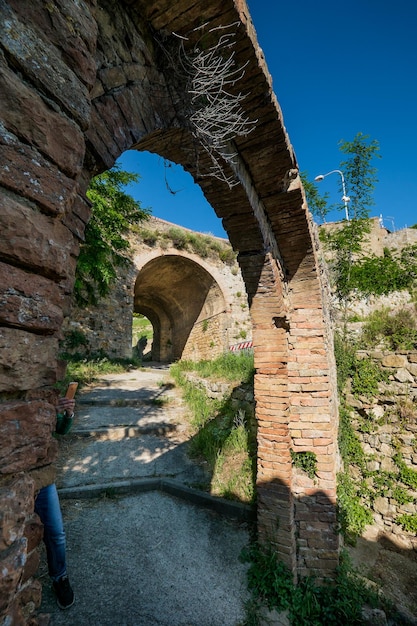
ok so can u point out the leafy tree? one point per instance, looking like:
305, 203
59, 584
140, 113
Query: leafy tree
394, 271
345, 241
360, 174
317, 203
106, 245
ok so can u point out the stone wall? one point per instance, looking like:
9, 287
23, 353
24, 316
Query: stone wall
107, 328
387, 426
380, 237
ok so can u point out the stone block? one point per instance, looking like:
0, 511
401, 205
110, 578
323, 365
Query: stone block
15, 616
31, 565
29, 597
34, 240
70, 27
27, 172
16, 503
33, 531
382, 505
27, 361
26, 115
26, 435
394, 360
402, 375
12, 562
43, 65
29, 301
82, 209
388, 465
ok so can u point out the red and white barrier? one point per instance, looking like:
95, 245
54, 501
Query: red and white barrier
244, 345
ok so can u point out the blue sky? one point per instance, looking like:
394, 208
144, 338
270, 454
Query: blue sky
337, 69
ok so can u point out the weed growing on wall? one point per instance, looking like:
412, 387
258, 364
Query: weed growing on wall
363, 373
308, 604
306, 461
202, 245
353, 515
391, 330
353, 497
407, 475
408, 522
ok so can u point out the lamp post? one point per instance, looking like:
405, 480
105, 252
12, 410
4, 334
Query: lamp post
345, 198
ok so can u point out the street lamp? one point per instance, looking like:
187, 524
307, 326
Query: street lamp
345, 198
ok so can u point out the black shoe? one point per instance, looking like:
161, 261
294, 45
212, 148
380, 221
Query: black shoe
64, 593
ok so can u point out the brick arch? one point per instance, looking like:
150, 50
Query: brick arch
185, 304
80, 84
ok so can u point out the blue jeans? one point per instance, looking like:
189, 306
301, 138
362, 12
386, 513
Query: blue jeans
48, 508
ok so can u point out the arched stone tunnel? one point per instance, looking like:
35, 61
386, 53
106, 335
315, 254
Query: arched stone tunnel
81, 82
183, 301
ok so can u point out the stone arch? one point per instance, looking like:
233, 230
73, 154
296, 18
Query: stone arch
81, 83
182, 300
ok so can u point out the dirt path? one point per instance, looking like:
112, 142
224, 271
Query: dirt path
137, 556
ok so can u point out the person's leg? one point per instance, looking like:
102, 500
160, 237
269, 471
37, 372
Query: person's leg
48, 508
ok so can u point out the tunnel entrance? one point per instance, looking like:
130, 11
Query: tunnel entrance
142, 337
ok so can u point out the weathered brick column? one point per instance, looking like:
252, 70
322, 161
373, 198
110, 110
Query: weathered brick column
296, 412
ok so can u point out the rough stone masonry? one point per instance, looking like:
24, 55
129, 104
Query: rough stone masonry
80, 82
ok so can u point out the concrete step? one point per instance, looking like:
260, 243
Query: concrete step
95, 417
126, 397
90, 460
117, 433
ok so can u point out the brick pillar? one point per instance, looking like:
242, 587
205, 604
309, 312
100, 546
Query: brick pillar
274, 495
295, 412
313, 424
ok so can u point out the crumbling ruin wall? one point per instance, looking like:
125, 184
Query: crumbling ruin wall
80, 82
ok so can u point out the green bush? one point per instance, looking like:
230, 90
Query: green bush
365, 374
396, 331
366, 377
87, 371
345, 354
349, 445
353, 516
407, 475
236, 366
178, 238
200, 245
308, 604
401, 495
228, 256
149, 237
408, 522
75, 339
380, 275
